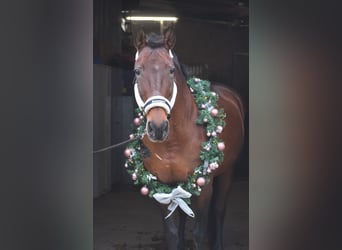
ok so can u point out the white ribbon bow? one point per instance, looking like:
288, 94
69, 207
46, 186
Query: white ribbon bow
175, 199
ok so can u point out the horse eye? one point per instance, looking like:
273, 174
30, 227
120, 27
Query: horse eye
137, 71
172, 70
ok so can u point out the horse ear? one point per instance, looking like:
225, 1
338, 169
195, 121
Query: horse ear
140, 40
169, 38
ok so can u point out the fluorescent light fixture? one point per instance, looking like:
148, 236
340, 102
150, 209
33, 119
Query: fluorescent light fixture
152, 18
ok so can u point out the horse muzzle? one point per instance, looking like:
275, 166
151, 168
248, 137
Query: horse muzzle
157, 132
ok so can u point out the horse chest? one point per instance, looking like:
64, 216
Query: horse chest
172, 163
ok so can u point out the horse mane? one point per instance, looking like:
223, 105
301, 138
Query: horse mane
181, 67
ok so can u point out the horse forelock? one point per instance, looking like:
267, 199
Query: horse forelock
154, 41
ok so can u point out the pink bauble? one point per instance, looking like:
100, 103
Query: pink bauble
214, 112
137, 121
200, 181
144, 190
213, 133
221, 146
127, 152
131, 136
134, 176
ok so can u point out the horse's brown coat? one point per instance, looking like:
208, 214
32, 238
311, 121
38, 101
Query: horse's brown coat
175, 158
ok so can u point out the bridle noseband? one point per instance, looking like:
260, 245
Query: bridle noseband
157, 100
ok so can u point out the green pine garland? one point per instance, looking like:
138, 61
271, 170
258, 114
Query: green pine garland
211, 153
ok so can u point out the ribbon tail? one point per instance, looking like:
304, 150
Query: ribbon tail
175, 199
182, 204
172, 207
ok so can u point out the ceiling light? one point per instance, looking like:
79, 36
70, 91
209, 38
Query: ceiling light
151, 18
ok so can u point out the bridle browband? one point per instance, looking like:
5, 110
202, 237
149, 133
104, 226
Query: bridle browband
157, 100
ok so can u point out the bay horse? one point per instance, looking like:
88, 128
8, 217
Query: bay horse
174, 139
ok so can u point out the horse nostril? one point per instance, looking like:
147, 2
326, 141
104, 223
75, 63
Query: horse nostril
165, 125
150, 127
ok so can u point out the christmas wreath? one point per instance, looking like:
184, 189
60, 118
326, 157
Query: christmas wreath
211, 154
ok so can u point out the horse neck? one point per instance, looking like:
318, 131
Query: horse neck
185, 109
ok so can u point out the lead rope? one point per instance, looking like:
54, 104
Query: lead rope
124, 142
118, 144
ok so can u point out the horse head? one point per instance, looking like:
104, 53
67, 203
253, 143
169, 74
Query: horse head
155, 89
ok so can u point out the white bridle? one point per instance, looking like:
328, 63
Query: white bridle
155, 101
137, 54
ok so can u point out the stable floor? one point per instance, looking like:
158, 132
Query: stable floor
124, 219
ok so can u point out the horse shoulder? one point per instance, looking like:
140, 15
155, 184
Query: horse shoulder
233, 133
228, 95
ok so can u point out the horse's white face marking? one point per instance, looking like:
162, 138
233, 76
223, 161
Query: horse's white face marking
156, 67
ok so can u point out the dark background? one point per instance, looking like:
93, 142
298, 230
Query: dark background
46, 125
